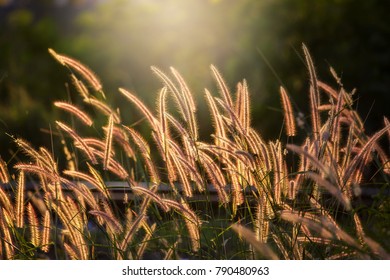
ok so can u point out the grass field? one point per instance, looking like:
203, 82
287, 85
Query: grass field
275, 199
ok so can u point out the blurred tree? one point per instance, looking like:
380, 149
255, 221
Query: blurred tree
29, 77
257, 40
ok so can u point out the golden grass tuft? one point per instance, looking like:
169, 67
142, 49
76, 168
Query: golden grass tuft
81, 69
75, 111
33, 225
46, 232
108, 143
78, 140
4, 175
290, 203
288, 113
20, 201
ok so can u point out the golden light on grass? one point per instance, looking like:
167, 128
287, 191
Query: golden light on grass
20, 200
81, 69
296, 205
75, 111
288, 113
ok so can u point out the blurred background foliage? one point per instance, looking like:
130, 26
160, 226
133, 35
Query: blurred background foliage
259, 40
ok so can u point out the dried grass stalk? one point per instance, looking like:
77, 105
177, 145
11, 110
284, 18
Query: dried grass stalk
145, 151
387, 123
73, 64
108, 143
46, 232
315, 116
162, 114
309, 222
123, 140
183, 176
276, 154
33, 225
261, 223
110, 220
32, 168
216, 176
180, 100
376, 248
192, 221
243, 106
220, 132
332, 189
151, 194
135, 225
80, 87
185, 90
30, 151
312, 72
314, 161
282, 248
288, 113
75, 111
188, 103
363, 153
20, 201
78, 140
104, 108
4, 175
263, 248
71, 252
152, 120
6, 237
145, 241
222, 86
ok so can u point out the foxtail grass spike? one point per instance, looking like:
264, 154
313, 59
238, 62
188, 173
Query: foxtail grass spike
288, 113
20, 200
